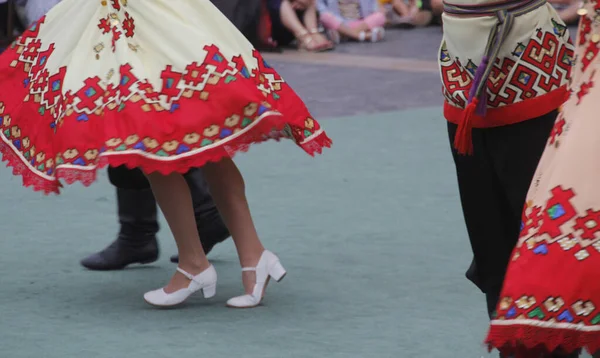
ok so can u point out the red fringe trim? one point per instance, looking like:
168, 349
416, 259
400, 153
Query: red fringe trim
269, 128
525, 341
463, 140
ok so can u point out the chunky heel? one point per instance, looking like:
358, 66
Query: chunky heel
277, 272
209, 291
268, 267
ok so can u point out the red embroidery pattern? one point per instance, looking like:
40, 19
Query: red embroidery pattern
558, 129
550, 300
585, 87
543, 226
209, 109
538, 67
564, 314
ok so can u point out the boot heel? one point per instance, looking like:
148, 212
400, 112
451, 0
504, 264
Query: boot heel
209, 291
277, 272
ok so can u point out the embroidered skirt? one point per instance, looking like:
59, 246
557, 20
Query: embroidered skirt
551, 295
163, 85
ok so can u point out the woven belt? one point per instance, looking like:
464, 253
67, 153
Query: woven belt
505, 12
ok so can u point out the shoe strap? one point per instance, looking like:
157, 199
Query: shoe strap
246, 269
186, 274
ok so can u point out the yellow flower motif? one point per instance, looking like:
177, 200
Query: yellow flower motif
136, 98
113, 142
132, 139
309, 123
191, 138
15, 132
525, 302
71, 153
582, 308
50, 163
6, 121
211, 131
40, 157
91, 154
170, 145
554, 304
505, 303
232, 121
26, 142
150, 143
250, 109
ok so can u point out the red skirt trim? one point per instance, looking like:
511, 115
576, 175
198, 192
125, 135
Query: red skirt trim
203, 112
268, 123
529, 338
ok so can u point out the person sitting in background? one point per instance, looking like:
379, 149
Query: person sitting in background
5, 29
567, 10
297, 20
358, 20
414, 12
31, 10
266, 43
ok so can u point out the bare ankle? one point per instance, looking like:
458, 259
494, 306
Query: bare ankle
193, 265
251, 257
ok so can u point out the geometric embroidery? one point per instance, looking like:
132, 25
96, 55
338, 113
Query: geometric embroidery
188, 89
558, 224
550, 296
534, 68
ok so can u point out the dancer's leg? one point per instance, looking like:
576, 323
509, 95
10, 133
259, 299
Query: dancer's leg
173, 196
228, 190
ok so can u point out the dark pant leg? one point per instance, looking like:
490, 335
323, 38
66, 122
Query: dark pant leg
125, 178
516, 163
136, 241
244, 14
134, 179
210, 225
516, 151
135, 203
279, 32
483, 203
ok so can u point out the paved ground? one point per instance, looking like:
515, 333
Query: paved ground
368, 78
371, 233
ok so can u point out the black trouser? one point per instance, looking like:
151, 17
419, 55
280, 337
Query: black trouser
244, 14
134, 179
493, 185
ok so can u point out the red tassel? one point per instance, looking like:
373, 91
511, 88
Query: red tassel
463, 140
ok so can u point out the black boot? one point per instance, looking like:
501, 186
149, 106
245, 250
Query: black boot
210, 225
136, 242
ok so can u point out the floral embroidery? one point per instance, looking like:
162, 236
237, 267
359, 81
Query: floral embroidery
235, 106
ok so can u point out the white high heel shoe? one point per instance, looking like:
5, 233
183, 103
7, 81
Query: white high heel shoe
268, 267
205, 281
